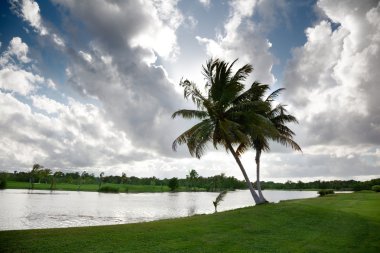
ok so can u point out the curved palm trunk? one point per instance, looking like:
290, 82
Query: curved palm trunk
258, 184
256, 198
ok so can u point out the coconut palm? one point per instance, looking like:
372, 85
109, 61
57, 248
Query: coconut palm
279, 117
54, 176
219, 199
192, 177
36, 170
223, 120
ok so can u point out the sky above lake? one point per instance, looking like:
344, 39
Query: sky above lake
91, 85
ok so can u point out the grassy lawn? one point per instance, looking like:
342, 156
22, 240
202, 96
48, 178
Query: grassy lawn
91, 187
336, 223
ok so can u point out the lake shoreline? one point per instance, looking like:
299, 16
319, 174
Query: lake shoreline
325, 224
27, 209
131, 188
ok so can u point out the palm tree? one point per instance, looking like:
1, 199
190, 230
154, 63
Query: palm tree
279, 117
55, 175
219, 199
101, 179
223, 120
36, 169
193, 175
123, 178
81, 178
45, 174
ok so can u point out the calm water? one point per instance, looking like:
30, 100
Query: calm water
25, 209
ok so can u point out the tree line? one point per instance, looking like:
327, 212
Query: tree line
339, 185
192, 182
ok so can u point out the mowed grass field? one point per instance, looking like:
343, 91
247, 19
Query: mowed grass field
90, 187
335, 223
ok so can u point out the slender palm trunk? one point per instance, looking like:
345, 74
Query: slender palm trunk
258, 184
215, 205
256, 198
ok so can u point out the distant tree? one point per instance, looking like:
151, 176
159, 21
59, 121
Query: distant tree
173, 184
376, 188
53, 178
36, 169
44, 175
123, 178
3, 180
101, 179
219, 199
81, 179
192, 177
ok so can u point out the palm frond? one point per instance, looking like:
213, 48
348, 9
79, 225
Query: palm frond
254, 93
190, 114
220, 197
274, 94
243, 147
195, 138
242, 73
191, 90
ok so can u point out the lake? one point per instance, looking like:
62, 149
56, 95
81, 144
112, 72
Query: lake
29, 209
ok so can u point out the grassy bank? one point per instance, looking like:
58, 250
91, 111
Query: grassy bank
91, 187
336, 223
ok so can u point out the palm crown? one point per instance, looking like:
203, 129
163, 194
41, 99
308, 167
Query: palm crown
229, 115
224, 112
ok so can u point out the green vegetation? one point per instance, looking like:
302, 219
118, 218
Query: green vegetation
228, 114
324, 192
338, 185
337, 223
192, 178
193, 182
3, 181
219, 199
109, 189
278, 117
85, 181
173, 184
376, 188
91, 187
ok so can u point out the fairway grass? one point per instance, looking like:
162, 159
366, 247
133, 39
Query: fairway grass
90, 187
336, 223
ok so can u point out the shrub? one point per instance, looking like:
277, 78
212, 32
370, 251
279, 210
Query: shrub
3, 183
173, 184
376, 188
109, 189
324, 192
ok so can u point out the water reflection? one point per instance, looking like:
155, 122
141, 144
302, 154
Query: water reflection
25, 209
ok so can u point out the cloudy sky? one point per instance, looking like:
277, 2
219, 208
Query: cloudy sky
91, 85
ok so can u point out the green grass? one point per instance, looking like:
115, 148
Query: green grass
335, 223
90, 187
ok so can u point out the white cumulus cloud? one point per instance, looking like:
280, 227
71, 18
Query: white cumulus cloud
243, 39
78, 135
29, 10
333, 79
